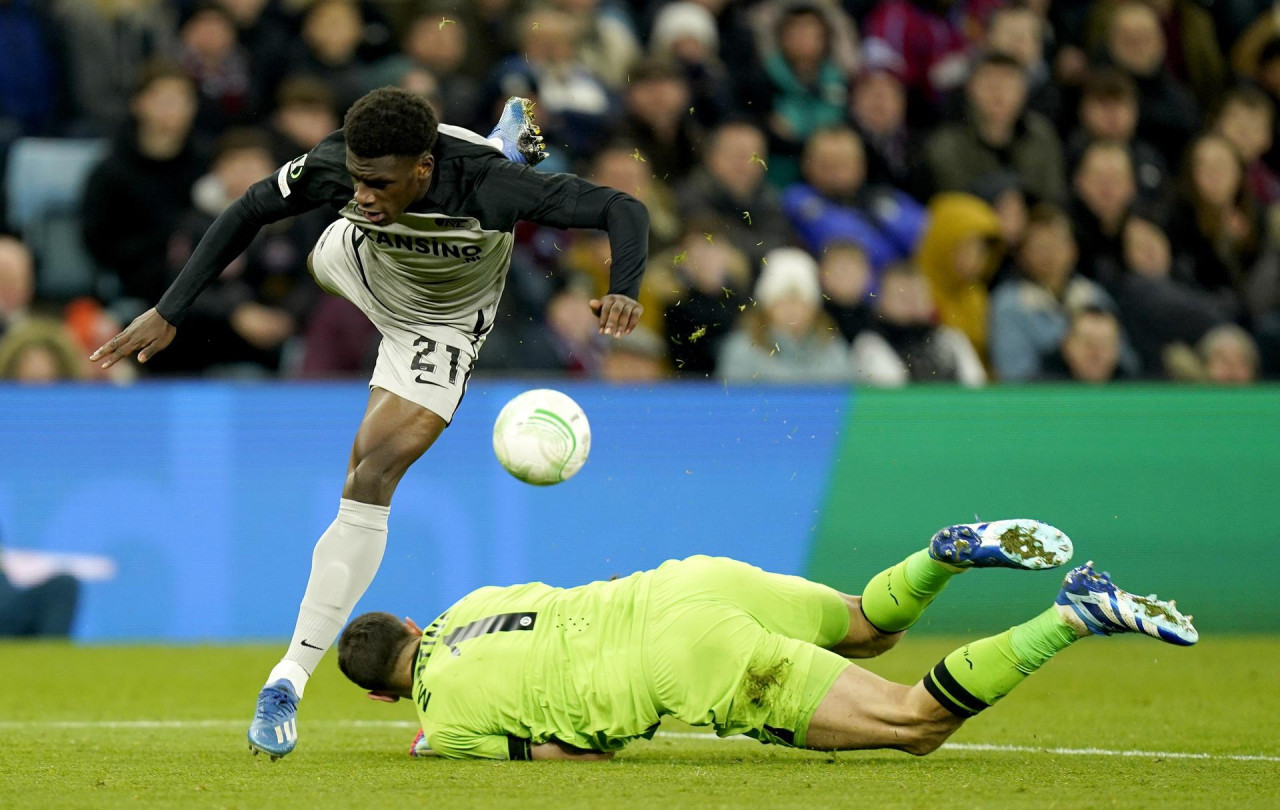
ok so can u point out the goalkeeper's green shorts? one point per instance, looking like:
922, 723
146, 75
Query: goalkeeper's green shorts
740, 649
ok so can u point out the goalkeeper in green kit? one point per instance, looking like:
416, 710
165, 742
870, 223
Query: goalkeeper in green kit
536, 672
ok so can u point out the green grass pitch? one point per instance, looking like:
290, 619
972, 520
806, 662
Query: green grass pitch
164, 726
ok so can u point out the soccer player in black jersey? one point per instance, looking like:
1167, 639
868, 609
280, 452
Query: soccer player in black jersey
423, 245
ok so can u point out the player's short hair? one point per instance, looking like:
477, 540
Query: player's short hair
369, 648
392, 122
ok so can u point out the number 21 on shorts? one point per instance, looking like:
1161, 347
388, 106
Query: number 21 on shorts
426, 347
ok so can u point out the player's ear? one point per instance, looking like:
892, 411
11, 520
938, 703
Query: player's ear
413, 626
426, 165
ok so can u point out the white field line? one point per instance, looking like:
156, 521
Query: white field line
144, 725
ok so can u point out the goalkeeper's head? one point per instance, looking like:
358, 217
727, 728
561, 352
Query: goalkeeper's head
376, 652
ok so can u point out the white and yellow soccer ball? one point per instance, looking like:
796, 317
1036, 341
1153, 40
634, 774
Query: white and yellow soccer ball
542, 437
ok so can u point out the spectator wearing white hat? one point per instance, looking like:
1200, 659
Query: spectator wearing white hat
786, 337
685, 34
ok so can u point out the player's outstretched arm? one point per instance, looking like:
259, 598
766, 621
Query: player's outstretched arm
299, 186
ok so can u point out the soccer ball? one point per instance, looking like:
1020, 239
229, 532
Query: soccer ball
542, 437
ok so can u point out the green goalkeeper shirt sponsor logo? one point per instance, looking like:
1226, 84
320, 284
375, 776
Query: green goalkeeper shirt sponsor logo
533, 662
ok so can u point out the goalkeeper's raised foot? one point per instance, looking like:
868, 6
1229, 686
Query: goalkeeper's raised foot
1023, 543
274, 730
519, 133
1092, 602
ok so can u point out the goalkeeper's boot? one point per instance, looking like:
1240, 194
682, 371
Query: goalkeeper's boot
519, 134
1026, 544
1091, 599
274, 730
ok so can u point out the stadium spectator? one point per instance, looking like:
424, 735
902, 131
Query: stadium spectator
573, 332
1003, 192
1090, 351
136, 197
709, 281
574, 105
834, 203
846, 279
607, 44
1217, 223
17, 282
40, 351
997, 133
306, 111
329, 48
243, 321
958, 254
686, 34
264, 32
1191, 53
1229, 355
903, 343
637, 358
1167, 114
731, 185
31, 87
787, 337
1104, 194
107, 47
931, 38
616, 166
219, 66
807, 84
1018, 30
1157, 309
1109, 112
657, 120
437, 43
1030, 314
1247, 118
45, 610
338, 341
878, 110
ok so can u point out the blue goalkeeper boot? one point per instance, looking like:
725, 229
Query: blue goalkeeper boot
1026, 544
274, 730
1092, 599
520, 135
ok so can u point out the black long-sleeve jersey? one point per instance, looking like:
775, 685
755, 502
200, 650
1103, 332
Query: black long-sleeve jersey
447, 256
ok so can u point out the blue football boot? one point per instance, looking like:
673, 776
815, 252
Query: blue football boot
519, 133
274, 729
1026, 544
1094, 600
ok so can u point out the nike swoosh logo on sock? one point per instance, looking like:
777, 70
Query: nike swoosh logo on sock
312, 646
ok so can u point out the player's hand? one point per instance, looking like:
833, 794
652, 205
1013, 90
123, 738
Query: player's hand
618, 314
148, 334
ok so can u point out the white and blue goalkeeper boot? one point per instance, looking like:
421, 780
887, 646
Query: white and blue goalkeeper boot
1025, 544
1093, 600
519, 135
274, 730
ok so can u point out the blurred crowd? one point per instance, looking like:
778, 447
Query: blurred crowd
882, 191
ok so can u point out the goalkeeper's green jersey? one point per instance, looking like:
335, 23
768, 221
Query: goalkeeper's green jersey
508, 668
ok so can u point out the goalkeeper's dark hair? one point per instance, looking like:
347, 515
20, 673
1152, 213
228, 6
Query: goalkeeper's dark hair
391, 121
370, 647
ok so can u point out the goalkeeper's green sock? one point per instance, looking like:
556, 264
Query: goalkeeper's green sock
895, 597
980, 673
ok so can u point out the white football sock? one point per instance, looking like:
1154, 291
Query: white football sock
342, 566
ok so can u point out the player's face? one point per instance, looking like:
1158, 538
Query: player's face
386, 186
